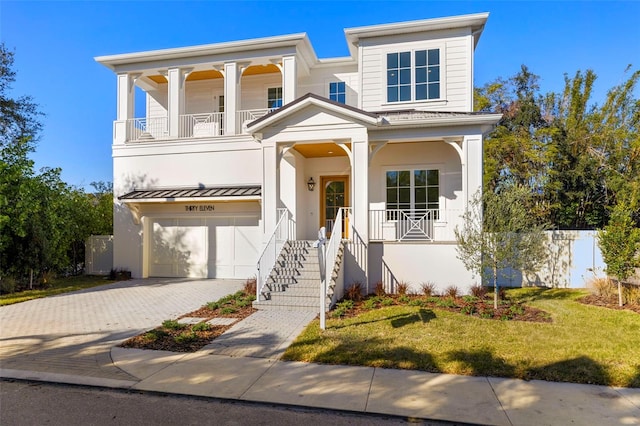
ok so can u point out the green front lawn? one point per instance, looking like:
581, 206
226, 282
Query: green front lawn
57, 286
583, 344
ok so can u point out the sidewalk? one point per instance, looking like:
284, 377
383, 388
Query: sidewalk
244, 364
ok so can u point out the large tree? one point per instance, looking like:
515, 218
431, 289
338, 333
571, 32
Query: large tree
43, 221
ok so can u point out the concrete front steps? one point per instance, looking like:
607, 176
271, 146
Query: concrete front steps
294, 282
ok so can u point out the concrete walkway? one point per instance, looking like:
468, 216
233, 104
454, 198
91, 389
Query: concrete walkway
244, 364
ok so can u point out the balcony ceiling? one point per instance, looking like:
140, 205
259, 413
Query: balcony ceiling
318, 150
213, 74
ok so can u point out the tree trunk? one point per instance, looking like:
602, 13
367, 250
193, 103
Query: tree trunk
620, 292
495, 288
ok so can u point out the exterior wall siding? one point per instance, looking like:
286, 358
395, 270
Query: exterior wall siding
455, 71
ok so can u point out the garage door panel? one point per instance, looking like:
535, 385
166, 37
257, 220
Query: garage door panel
221, 247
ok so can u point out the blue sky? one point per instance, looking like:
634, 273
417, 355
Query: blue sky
55, 43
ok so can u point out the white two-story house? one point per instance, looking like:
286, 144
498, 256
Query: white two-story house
248, 143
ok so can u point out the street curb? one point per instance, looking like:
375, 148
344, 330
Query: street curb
71, 379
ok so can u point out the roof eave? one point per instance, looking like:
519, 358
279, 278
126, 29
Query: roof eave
291, 40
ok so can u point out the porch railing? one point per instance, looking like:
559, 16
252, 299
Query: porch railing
147, 129
201, 125
269, 255
413, 225
249, 115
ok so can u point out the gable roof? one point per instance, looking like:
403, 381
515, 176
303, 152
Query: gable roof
316, 100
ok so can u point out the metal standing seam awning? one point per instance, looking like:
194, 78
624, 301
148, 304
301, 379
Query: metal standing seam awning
135, 198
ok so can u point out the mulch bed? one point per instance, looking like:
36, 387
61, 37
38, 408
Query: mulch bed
166, 339
483, 308
610, 302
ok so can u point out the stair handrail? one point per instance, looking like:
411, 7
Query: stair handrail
269, 255
331, 249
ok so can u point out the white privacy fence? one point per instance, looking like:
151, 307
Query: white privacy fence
98, 255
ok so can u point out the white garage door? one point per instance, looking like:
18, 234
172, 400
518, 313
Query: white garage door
221, 247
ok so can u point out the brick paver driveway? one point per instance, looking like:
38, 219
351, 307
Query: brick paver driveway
73, 333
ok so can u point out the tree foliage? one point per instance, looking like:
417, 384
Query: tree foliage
499, 233
43, 221
620, 242
577, 158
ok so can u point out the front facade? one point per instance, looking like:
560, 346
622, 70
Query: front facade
239, 136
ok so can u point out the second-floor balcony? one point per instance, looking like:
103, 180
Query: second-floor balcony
191, 126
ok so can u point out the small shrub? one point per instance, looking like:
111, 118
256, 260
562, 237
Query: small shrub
479, 291
468, 309
201, 326
602, 287
250, 286
7, 285
213, 305
354, 292
428, 289
153, 335
379, 289
47, 278
446, 303
342, 308
516, 310
632, 294
470, 299
486, 313
371, 303
172, 325
452, 291
387, 301
416, 302
404, 298
502, 293
228, 310
402, 288
433, 299
186, 337
243, 303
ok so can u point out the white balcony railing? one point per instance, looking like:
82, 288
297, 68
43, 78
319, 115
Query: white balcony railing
413, 225
147, 129
201, 125
249, 115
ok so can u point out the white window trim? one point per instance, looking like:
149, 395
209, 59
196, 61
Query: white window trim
442, 100
328, 89
411, 167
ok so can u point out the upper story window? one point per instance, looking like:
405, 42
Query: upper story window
413, 76
337, 92
274, 97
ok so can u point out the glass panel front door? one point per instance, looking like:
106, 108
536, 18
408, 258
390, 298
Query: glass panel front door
335, 195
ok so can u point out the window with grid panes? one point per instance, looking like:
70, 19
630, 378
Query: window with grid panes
413, 76
413, 190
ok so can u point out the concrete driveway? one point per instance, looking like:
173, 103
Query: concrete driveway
73, 333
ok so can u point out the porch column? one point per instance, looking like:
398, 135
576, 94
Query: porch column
125, 107
176, 78
232, 74
472, 151
360, 185
289, 79
269, 188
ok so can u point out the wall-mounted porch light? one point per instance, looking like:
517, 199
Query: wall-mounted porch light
311, 184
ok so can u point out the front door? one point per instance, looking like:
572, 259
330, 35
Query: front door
334, 194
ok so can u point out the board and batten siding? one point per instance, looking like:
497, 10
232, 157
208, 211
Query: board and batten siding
456, 73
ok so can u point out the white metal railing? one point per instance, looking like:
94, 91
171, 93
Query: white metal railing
269, 255
331, 252
201, 125
144, 129
400, 225
244, 116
